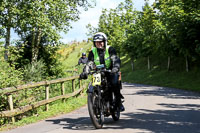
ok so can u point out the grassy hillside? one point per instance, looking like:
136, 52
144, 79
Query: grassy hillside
70, 54
177, 77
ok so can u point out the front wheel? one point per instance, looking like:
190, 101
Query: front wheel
94, 110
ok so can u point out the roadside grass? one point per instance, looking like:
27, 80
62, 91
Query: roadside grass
159, 76
56, 108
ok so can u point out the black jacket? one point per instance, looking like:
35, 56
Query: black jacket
115, 61
82, 60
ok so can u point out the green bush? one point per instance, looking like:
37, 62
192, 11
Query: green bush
8, 75
34, 72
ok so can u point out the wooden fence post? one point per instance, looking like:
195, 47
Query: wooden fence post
47, 96
80, 83
63, 90
73, 85
10, 101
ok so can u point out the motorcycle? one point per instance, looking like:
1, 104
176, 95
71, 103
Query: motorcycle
101, 98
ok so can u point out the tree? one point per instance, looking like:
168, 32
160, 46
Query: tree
169, 28
91, 31
8, 16
165, 31
148, 24
40, 18
182, 24
48, 18
115, 23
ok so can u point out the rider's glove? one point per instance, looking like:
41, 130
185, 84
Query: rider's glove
115, 70
83, 75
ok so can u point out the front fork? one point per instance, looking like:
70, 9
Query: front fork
100, 103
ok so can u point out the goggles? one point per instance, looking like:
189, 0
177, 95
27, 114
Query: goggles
98, 38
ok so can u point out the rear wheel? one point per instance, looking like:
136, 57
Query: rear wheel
94, 110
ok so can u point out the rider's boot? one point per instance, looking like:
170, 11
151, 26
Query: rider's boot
121, 106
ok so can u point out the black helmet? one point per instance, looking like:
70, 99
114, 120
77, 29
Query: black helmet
100, 36
83, 54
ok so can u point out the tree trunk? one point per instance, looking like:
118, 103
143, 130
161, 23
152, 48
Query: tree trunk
132, 64
149, 66
35, 45
168, 63
186, 63
7, 44
38, 38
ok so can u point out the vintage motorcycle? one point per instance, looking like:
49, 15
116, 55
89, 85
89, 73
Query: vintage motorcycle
101, 98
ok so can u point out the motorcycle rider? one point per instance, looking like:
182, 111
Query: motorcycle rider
83, 59
104, 54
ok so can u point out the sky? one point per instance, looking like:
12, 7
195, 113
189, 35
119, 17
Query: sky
79, 30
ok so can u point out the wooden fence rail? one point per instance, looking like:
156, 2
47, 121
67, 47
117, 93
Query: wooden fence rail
16, 111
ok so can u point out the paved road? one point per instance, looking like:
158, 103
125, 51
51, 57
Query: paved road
148, 109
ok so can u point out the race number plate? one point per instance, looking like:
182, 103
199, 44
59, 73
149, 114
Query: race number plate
96, 79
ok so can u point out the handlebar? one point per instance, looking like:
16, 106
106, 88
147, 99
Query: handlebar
101, 70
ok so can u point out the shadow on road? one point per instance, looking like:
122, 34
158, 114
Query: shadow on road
81, 123
165, 121
173, 118
173, 93
159, 121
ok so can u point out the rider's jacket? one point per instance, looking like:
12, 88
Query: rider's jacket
107, 57
82, 60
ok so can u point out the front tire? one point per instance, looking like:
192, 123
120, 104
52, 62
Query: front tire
94, 111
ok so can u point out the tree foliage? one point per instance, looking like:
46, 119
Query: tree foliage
39, 18
168, 27
38, 24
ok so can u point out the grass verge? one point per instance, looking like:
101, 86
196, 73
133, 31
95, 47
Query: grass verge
160, 77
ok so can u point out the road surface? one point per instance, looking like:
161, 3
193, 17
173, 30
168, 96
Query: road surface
149, 109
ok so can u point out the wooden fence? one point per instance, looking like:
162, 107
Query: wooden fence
16, 111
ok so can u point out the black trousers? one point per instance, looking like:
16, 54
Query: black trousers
113, 79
